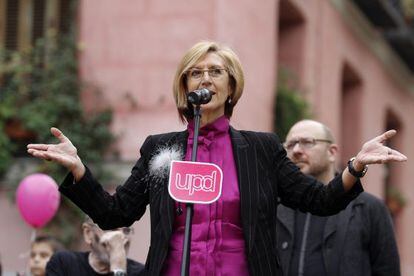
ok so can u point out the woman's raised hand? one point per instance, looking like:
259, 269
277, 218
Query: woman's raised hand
376, 152
63, 153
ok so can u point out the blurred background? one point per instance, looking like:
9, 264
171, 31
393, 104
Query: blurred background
102, 71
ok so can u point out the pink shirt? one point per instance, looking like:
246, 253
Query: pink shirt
217, 244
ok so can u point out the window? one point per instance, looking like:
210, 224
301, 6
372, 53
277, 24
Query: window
11, 24
22, 22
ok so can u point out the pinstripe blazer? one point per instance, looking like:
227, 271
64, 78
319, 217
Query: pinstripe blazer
265, 175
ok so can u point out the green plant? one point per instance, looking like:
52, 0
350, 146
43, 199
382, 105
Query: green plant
290, 107
394, 194
40, 88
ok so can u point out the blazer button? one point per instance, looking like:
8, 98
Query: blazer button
285, 245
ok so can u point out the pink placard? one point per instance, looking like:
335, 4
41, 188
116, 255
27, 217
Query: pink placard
195, 182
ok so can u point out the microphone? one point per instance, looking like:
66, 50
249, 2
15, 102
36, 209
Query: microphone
199, 96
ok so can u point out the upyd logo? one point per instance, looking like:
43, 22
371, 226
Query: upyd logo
195, 182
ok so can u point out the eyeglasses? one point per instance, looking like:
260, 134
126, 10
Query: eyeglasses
197, 74
304, 143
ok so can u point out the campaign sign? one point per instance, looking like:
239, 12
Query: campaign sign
195, 182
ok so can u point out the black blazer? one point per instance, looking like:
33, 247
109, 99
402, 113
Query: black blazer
357, 241
265, 175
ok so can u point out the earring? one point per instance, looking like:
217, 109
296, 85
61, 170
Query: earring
229, 100
179, 210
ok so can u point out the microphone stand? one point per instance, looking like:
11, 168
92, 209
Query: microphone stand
185, 264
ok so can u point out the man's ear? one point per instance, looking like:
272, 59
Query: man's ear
87, 233
333, 152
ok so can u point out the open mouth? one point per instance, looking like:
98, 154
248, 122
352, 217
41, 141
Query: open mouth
211, 91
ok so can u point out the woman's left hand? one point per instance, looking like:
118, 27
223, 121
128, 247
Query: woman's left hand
375, 152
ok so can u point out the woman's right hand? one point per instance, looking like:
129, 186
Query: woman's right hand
63, 153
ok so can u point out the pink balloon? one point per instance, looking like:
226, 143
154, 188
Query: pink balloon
38, 199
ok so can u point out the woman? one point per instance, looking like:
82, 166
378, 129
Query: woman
236, 234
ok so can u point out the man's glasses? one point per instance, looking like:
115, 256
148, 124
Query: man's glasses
304, 143
197, 74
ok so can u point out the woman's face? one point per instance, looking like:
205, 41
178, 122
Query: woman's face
210, 72
40, 254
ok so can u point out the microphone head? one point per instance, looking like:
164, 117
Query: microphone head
200, 96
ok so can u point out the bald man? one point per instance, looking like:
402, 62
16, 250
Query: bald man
357, 241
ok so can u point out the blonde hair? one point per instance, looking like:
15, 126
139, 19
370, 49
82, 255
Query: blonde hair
193, 56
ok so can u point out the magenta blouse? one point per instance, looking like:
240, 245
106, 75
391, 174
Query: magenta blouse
217, 244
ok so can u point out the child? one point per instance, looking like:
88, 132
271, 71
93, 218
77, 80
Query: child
42, 248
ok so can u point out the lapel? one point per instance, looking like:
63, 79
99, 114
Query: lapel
167, 204
286, 216
338, 225
332, 223
245, 157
